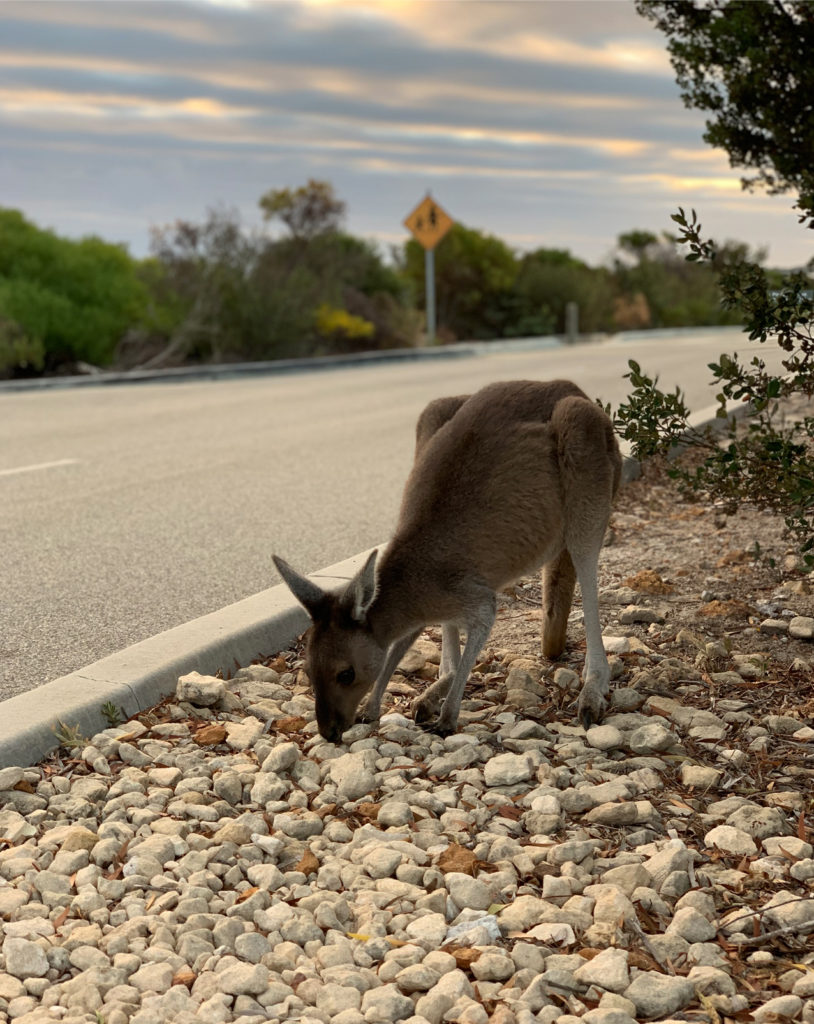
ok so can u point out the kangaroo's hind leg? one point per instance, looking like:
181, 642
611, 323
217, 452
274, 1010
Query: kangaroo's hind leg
558, 578
589, 463
596, 674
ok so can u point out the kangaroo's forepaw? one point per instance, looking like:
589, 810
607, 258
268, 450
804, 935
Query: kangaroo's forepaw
424, 711
367, 715
438, 727
591, 707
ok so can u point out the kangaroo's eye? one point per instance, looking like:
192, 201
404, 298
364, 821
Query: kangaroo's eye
346, 676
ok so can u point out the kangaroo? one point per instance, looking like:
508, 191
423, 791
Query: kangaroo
518, 476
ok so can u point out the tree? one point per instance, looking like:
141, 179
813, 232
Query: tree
239, 294
205, 271
548, 279
657, 287
307, 211
62, 301
475, 274
750, 64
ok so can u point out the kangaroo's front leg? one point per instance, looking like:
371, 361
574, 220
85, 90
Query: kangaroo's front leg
478, 628
371, 708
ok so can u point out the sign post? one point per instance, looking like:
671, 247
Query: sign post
428, 224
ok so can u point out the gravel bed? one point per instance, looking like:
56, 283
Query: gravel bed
216, 860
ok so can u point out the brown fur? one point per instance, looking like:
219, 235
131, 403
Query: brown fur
517, 476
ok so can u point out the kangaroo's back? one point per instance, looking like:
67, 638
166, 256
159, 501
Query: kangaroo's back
517, 476
486, 491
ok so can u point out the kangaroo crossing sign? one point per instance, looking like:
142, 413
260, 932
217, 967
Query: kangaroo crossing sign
428, 223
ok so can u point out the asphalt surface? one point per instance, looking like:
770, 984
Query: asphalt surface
127, 510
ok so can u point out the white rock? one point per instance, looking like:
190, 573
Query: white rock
691, 925
759, 822
785, 911
788, 1006
712, 981
700, 776
382, 862
604, 737
417, 978
152, 978
24, 959
244, 979
352, 774
801, 627
386, 1004
607, 969
467, 892
428, 931
202, 691
334, 999
395, 812
493, 967
507, 769
282, 758
731, 840
651, 738
242, 735
659, 995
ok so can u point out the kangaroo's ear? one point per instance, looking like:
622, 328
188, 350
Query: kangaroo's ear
359, 593
310, 596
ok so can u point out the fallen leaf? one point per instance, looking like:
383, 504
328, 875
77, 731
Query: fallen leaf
61, 918
465, 956
289, 725
648, 582
738, 557
246, 894
725, 608
458, 858
210, 735
368, 810
184, 976
636, 958
308, 863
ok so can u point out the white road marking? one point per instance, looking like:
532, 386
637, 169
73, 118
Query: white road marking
39, 465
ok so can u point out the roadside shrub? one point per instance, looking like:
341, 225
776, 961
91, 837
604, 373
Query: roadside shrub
18, 352
770, 463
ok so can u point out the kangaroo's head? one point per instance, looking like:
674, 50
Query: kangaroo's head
342, 658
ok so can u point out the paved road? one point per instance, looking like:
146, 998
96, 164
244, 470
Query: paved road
159, 503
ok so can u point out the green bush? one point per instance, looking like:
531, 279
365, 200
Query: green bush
729, 57
18, 351
74, 299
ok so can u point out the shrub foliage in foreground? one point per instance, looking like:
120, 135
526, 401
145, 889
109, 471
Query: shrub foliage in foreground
749, 65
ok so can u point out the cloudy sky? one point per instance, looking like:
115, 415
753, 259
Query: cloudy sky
545, 122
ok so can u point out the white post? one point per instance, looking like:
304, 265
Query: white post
429, 291
571, 322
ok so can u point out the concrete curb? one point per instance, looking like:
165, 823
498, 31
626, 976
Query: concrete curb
140, 676
269, 368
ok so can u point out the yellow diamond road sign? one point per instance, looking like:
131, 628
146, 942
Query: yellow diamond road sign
428, 223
